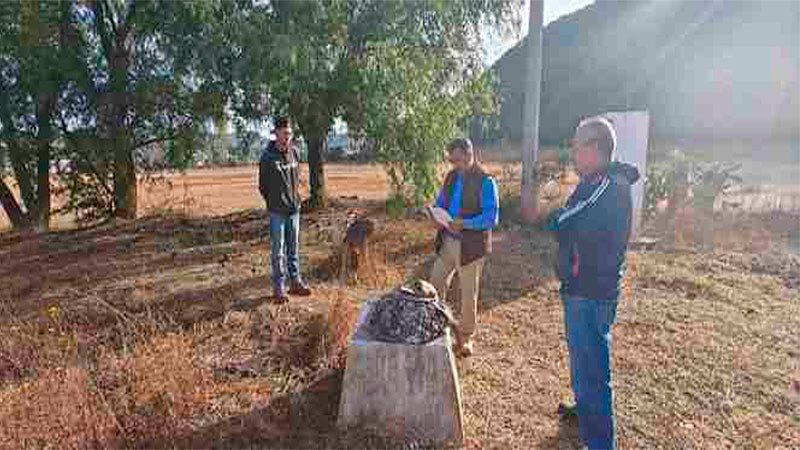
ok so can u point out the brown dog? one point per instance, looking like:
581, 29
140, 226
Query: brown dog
355, 246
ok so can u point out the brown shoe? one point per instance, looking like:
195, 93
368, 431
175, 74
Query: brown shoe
567, 412
299, 288
279, 295
465, 349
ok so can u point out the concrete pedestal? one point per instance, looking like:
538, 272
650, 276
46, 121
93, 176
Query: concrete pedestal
406, 391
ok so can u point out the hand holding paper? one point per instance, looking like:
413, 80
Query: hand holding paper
440, 216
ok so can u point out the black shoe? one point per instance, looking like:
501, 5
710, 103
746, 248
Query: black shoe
567, 412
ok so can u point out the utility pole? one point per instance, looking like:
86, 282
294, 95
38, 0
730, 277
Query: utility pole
476, 125
530, 143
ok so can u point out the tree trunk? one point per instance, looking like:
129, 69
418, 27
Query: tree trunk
11, 207
43, 190
531, 170
114, 104
220, 148
47, 103
125, 192
476, 127
318, 197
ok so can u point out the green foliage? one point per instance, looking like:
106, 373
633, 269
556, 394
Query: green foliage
133, 76
659, 183
412, 125
674, 179
130, 77
415, 115
712, 179
86, 183
669, 179
180, 150
396, 206
40, 55
390, 69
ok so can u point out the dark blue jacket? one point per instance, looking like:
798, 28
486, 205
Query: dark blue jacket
593, 231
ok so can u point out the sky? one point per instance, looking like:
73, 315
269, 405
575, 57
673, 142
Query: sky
553, 9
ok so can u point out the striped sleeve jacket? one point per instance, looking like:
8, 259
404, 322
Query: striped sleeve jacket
593, 231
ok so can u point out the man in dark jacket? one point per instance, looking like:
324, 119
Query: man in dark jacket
469, 195
278, 182
593, 231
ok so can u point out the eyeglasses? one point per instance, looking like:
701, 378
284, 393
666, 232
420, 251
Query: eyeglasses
576, 145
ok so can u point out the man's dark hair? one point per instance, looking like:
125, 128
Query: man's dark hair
462, 144
283, 122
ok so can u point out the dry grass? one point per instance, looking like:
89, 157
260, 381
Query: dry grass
142, 399
308, 340
58, 409
704, 357
339, 325
712, 349
375, 271
158, 333
157, 391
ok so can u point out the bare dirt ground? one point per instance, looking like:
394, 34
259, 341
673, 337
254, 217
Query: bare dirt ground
207, 192
163, 330
226, 190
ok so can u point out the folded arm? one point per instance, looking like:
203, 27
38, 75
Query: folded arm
262, 179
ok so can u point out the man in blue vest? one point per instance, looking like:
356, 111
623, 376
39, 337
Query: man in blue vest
469, 195
278, 180
593, 231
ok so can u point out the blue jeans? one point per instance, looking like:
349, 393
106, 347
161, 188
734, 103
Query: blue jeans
284, 234
588, 330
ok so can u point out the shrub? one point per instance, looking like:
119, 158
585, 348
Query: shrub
707, 180
396, 206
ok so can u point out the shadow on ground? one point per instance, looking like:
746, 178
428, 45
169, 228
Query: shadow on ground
567, 437
302, 419
522, 259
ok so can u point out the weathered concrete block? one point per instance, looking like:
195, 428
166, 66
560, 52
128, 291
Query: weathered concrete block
407, 391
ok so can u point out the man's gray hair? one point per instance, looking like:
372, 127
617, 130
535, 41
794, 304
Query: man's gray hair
462, 144
600, 130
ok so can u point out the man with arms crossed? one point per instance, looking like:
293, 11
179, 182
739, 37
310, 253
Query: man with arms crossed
593, 230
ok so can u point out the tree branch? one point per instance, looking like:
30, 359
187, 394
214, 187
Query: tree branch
127, 24
100, 11
148, 142
86, 160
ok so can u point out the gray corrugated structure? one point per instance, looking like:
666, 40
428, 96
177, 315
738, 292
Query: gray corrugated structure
704, 69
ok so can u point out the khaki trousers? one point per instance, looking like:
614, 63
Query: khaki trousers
445, 266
